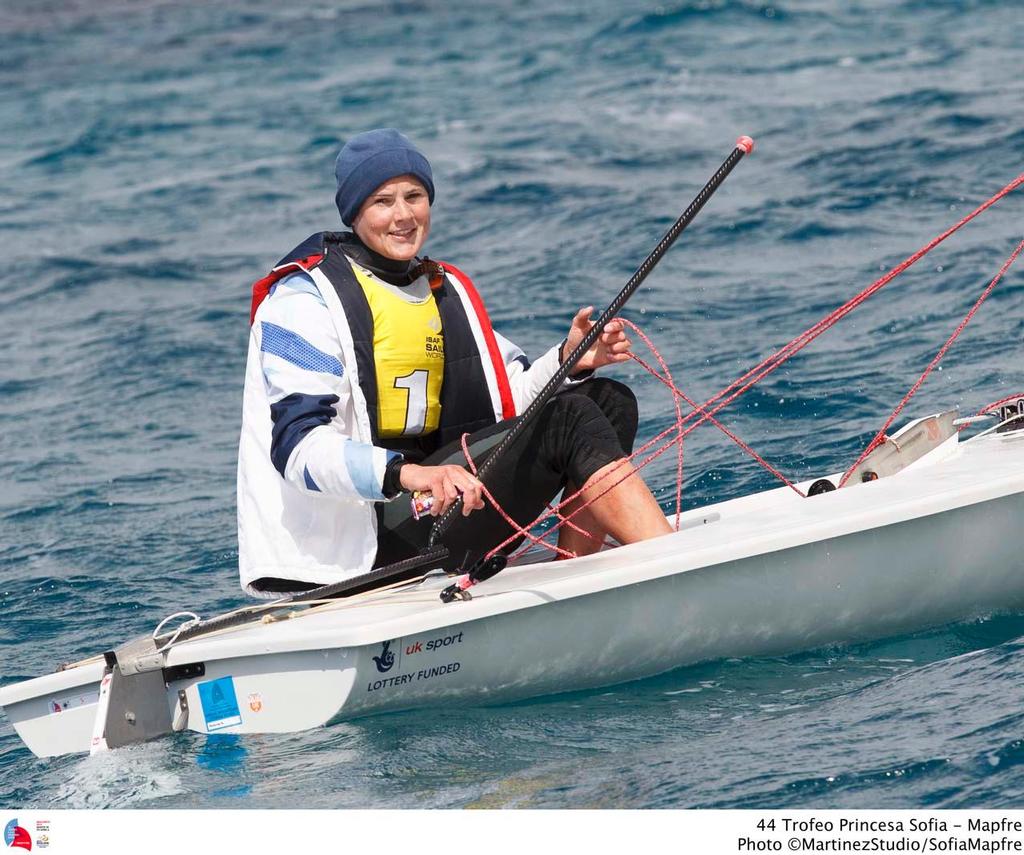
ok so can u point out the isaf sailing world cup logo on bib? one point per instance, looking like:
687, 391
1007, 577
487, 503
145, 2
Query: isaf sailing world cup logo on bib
15, 835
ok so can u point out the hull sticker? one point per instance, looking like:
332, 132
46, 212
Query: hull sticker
419, 676
59, 705
219, 703
411, 651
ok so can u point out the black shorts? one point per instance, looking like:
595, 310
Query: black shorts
580, 430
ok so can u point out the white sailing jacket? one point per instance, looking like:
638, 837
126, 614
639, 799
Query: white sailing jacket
308, 515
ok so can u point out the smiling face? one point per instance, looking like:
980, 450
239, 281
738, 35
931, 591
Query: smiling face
394, 220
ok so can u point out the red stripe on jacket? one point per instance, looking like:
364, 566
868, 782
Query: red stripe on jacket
508, 407
262, 287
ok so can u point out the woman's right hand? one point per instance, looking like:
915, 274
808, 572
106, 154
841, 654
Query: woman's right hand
446, 484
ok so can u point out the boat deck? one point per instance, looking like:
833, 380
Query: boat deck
953, 475
976, 471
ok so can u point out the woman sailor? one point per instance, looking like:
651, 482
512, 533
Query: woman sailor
366, 366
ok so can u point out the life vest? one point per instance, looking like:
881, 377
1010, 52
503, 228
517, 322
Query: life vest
475, 390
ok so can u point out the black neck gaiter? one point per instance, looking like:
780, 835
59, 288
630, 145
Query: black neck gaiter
398, 273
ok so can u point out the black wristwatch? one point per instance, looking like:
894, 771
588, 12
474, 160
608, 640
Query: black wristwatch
392, 484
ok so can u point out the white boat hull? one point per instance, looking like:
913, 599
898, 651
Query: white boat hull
766, 574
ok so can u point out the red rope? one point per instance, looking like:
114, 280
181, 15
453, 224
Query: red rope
524, 530
703, 412
532, 538
766, 366
678, 393
535, 540
996, 404
880, 436
667, 380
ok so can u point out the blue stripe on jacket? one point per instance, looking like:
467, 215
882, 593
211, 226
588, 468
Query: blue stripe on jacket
359, 462
293, 348
294, 416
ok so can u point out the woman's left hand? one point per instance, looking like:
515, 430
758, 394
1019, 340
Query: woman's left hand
611, 346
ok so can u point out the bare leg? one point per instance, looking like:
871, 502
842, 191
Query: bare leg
574, 541
628, 513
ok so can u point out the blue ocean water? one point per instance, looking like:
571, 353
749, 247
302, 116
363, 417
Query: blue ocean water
157, 157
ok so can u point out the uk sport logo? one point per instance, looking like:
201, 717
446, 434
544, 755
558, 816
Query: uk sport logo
15, 835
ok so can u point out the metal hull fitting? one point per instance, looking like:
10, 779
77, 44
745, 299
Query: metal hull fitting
770, 573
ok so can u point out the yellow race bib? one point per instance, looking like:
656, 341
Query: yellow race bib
408, 351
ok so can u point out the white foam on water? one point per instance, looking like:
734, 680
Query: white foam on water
134, 776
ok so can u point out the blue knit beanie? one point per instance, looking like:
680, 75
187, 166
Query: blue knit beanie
371, 158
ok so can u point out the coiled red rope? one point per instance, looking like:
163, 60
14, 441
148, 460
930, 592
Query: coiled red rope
705, 412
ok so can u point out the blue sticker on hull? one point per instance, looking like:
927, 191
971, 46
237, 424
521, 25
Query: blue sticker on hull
220, 706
